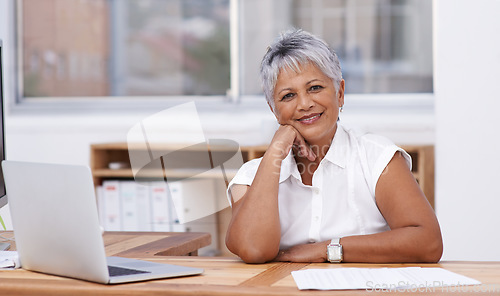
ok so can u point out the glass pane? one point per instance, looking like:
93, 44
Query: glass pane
384, 46
125, 47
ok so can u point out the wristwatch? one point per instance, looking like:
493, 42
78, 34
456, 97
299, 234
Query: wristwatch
334, 251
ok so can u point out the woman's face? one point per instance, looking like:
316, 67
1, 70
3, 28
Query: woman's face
309, 102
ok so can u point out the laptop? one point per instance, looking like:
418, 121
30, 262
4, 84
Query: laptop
55, 221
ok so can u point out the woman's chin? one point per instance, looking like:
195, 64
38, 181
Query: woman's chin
317, 135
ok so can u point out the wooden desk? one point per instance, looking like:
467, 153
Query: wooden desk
222, 276
228, 276
147, 244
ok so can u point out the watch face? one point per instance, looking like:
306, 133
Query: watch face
334, 253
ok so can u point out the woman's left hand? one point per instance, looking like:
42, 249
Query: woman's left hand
314, 252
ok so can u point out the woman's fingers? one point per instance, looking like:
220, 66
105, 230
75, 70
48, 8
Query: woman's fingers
283, 140
287, 136
304, 148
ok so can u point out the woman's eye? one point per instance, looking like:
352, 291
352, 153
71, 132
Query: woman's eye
316, 87
287, 96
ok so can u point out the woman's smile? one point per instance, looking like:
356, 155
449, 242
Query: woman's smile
310, 119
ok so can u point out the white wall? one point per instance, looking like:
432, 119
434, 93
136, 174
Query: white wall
467, 91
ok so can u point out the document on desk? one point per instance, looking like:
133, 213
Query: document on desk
379, 279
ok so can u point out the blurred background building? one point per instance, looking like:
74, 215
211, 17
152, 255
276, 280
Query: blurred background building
65, 47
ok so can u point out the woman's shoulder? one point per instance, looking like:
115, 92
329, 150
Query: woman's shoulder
368, 139
376, 150
247, 172
250, 166
374, 154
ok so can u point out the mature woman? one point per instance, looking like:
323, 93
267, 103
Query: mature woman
322, 192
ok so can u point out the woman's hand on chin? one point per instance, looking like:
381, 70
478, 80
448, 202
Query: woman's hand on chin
287, 137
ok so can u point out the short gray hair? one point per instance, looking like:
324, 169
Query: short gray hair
291, 49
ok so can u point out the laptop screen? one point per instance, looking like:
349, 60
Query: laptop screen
3, 197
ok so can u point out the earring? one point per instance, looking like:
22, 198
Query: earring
341, 108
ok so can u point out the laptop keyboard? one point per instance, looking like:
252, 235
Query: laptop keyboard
119, 271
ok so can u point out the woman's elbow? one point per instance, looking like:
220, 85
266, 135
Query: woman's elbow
251, 251
251, 254
435, 252
256, 256
432, 251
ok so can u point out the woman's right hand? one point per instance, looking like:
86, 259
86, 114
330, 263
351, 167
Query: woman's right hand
287, 137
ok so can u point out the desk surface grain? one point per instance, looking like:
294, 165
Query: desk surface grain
222, 276
229, 276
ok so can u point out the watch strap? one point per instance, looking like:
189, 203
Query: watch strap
335, 241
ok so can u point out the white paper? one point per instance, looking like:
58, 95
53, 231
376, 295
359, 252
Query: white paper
9, 259
379, 279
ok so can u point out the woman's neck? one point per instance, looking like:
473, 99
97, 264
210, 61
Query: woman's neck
320, 148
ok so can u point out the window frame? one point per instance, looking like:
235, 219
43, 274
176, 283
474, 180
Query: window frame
17, 104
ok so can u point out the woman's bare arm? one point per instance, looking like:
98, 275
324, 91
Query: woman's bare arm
254, 231
415, 235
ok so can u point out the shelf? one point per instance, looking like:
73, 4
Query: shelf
176, 174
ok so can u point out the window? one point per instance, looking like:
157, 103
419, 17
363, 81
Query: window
86, 48
125, 47
385, 46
